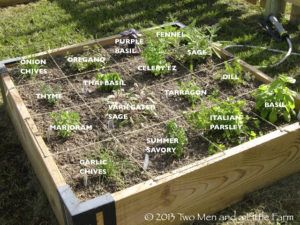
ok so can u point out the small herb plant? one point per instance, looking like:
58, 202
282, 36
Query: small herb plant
176, 132
110, 81
89, 53
223, 113
192, 89
64, 121
115, 167
197, 43
31, 68
234, 72
50, 92
110, 167
215, 148
154, 55
279, 98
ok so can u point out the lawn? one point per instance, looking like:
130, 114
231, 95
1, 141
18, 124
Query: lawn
43, 25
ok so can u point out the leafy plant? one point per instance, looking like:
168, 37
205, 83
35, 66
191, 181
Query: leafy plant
215, 148
191, 88
276, 93
154, 55
31, 68
110, 167
168, 41
50, 92
224, 114
197, 43
177, 133
64, 121
115, 167
109, 81
235, 72
89, 52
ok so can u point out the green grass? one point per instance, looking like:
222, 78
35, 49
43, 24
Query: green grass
43, 25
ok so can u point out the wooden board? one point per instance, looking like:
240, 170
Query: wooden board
295, 14
214, 183
34, 146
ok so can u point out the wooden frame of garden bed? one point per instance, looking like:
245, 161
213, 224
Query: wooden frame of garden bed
205, 186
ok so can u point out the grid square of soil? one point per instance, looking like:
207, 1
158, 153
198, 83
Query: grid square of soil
47, 72
254, 123
248, 85
121, 57
80, 169
69, 65
90, 93
35, 105
78, 138
163, 161
134, 68
164, 93
136, 111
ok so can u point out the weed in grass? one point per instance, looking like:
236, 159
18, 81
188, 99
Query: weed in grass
91, 59
276, 100
173, 130
64, 121
51, 93
109, 81
154, 55
191, 91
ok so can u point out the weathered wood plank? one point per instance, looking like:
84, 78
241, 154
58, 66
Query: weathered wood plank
34, 146
259, 75
295, 14
276, 7
213, 183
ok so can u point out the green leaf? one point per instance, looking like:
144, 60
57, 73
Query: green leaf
273, 116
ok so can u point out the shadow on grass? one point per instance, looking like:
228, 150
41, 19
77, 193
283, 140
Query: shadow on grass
238, 23
22, 200
281, 199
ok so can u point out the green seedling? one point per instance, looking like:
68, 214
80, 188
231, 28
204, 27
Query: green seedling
65, 120
115, 166
111, 168
154, 55
215, 148
31, 69
51, 93
109, 81
193, 91
89, 53
178, 133
197, 43
232, 74
276, 100
222, 113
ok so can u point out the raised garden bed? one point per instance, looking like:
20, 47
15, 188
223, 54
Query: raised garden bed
188, 139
